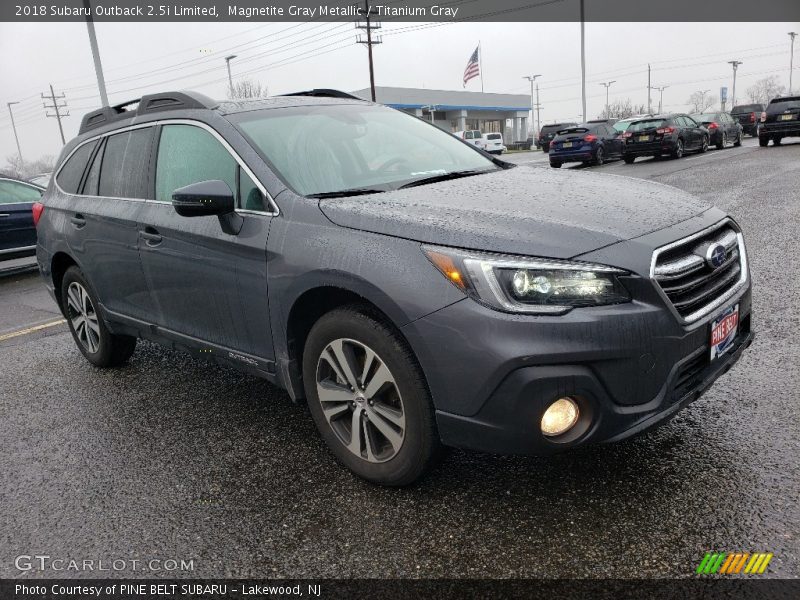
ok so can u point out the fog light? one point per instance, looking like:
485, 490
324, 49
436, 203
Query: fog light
560, 417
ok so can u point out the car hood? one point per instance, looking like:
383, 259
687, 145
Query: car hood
523, 210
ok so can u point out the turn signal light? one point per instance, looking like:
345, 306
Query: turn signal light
764, 117
38, 209
713, 126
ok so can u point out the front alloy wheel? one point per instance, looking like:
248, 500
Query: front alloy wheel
360, 400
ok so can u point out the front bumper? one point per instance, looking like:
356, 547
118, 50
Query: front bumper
629, 366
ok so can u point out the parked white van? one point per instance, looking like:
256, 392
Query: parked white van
493, 143
471, 136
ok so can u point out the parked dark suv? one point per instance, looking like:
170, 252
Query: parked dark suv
548, 132
780, 119
748, 115
411, 289
671, 135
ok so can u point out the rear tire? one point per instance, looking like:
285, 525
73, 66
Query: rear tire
678, 151
370, 379
776, 141
628, 159
763, 141
723, 142
555, 164
88, 328
599, 157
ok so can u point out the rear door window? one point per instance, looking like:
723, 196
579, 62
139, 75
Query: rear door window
125, 160
70, 175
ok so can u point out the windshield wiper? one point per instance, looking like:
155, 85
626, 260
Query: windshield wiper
346, 193
444, 177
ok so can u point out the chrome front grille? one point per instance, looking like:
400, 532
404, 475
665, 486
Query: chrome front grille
686, 271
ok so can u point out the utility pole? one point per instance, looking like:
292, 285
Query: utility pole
14, 127
649, 87
98, 66
56, 106
583, 64
368, 26
703, 101
228, 60
607, 85
792, 35
735, 64
660, 96
532, 79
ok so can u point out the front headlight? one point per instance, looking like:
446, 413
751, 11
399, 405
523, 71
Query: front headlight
529, 285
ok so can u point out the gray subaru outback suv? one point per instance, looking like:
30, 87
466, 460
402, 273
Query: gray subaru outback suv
413, 290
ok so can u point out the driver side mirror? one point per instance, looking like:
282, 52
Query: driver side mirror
204, 198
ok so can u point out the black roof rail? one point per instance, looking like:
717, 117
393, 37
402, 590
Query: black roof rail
325, 93
148, 104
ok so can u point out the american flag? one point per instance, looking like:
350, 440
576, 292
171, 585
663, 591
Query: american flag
473, 66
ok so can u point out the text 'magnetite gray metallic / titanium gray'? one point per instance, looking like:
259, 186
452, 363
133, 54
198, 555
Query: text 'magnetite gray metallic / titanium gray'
413, 290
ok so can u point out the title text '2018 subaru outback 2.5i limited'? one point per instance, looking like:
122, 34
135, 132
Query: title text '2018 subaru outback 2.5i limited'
413, 290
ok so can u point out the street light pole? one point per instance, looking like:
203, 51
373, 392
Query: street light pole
532, 79
660, 96
228, 60
703, 101
14, 127
98, 66
607, 85
792, 34
735, 64
583, 64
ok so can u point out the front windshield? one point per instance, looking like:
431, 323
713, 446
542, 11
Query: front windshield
322, 149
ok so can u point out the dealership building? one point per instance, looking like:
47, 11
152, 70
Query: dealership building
457, 111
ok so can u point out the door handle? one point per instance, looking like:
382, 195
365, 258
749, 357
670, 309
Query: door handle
151, 236
78, 220
4, 215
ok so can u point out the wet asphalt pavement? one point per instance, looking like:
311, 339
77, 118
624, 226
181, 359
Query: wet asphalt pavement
169, 458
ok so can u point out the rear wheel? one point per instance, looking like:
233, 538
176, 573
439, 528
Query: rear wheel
763, 141
89, 330
777, 140
723, 141
678, 151
628, 159
555, 164
599, 157
368, 398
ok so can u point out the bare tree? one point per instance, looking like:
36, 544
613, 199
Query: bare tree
621, 109
15, 168
700, 101
247, 88
764, 90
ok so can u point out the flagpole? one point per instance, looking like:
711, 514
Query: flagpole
480, 60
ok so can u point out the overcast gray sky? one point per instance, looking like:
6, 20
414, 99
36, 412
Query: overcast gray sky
140, 58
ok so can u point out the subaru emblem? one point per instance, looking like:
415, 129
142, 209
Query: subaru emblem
716, 255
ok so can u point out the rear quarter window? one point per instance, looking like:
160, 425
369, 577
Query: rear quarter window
69, 177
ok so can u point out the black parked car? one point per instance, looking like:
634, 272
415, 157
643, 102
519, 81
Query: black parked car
17, 232
722, 128
748, 116
411, 289
548, 132
590, 143
664, 134
781, 119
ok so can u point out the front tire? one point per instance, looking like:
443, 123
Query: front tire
738, 141
368, 397
704, 147
88, 328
